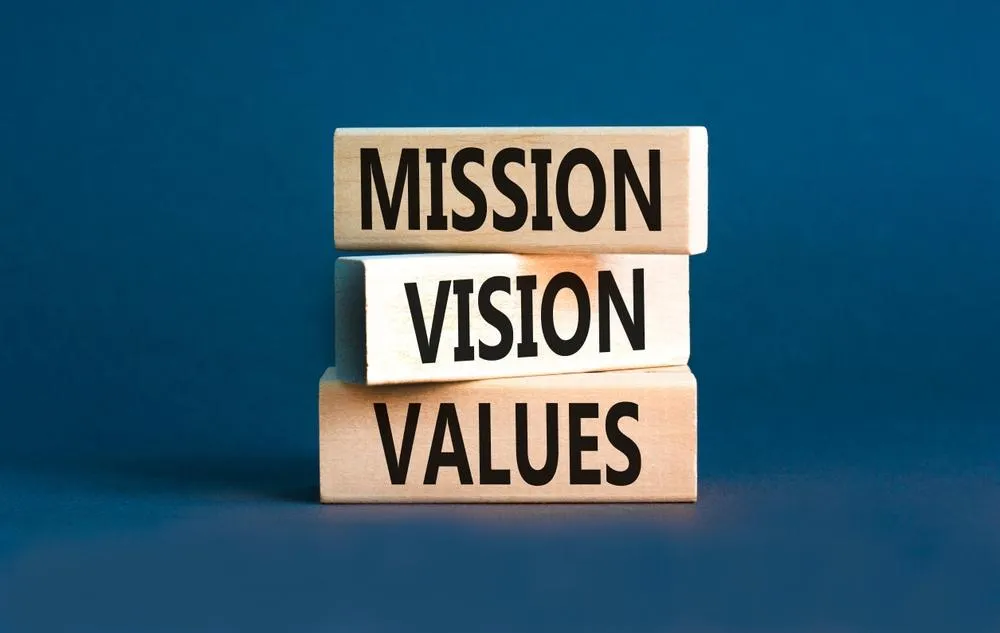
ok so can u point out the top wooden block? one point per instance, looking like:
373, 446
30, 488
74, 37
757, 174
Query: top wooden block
522, 190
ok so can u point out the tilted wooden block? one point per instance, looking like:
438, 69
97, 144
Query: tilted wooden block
443, 317
523, 190
628, 436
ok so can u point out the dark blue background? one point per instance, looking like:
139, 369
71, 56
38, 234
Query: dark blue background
166, 292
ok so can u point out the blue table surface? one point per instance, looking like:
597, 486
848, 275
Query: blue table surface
881, 525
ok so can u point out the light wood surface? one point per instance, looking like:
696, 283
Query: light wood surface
523, 190
622, 436
442, 317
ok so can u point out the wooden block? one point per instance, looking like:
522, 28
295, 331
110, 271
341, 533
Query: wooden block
623, 436
458, 316
522, 190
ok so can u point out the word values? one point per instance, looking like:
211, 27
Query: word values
604, 436
448, 425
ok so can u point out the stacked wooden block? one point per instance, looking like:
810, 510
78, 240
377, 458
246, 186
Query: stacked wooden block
525, 337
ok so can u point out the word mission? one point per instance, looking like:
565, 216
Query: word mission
531, 190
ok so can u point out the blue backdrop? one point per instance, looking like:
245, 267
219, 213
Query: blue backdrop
166, 266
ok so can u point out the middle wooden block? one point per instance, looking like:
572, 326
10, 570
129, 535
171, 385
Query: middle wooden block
457, 316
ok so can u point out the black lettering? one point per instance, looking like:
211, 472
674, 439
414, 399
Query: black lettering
437, 220
397, 465
634, 326
447, 420
587, 158
649, 206
527, 347
623, 443
511, 189
543, 475
469, 189
578, 443
408, 173
570, 346
428, 345
496, 318
487, 475
464, 350
541, 221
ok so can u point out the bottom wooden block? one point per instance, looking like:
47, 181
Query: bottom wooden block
617, 436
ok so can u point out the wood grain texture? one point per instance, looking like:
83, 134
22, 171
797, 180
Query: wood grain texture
674, 157
639, 303
634, 439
